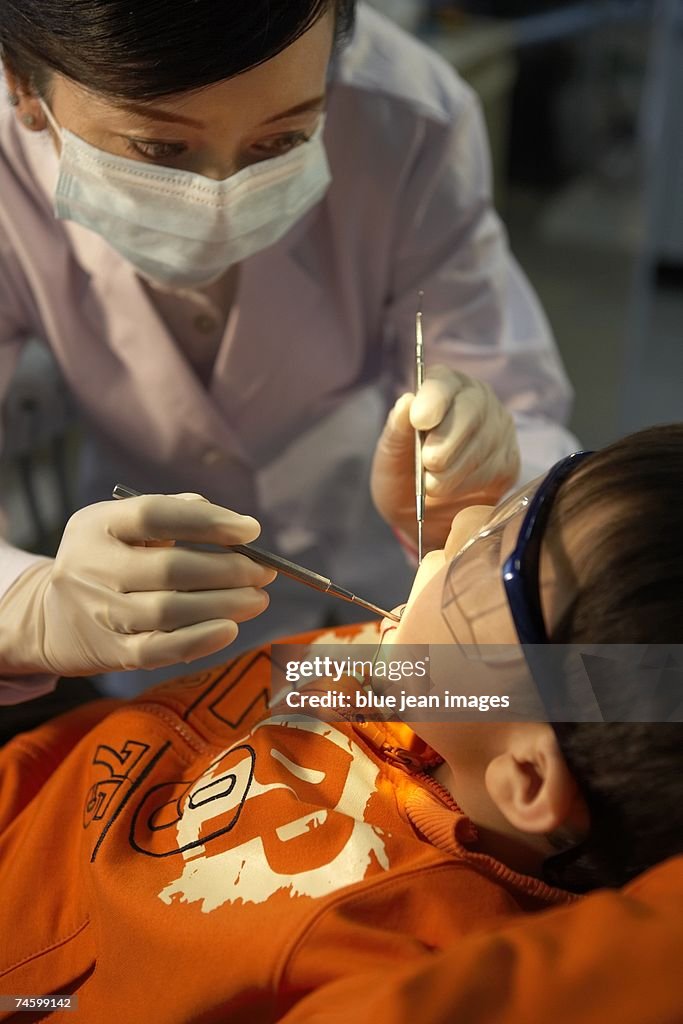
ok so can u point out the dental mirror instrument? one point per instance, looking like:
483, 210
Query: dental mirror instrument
419, 436
287, 568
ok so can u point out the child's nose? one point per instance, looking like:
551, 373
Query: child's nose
466, 524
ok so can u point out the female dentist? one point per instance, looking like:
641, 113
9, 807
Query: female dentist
219, 216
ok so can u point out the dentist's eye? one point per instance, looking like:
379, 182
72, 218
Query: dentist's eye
156, 151
280, 145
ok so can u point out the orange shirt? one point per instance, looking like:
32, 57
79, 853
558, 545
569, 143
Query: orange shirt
191, 856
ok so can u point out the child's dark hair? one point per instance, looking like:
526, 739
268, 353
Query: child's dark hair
142, 51
630, 591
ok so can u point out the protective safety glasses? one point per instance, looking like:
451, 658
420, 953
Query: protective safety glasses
492, 595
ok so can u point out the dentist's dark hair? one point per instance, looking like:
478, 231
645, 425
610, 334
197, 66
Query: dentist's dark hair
138, 51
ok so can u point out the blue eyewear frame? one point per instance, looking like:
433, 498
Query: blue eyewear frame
521, 568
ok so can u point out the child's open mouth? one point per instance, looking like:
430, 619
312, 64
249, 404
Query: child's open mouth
387, 625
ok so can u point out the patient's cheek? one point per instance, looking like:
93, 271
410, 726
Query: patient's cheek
422, 621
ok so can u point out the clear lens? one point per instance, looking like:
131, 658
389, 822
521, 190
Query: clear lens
474, 603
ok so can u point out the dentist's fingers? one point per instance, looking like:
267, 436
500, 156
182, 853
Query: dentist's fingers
178, 518
168, 569
436, 397
107, 601
168, 610
157, 649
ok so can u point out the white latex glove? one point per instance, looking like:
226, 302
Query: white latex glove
120, 595
470, 454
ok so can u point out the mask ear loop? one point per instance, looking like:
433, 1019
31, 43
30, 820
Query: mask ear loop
50, 118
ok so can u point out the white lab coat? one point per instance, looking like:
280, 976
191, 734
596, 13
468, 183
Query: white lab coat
321, 336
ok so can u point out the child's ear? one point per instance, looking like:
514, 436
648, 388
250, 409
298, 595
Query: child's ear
531, 784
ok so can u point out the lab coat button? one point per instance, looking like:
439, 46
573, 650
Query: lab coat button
205, 323
211, 456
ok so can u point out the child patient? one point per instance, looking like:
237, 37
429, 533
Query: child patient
598, 561
200, 856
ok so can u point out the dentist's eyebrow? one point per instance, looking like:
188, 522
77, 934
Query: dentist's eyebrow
155, 114
302, 108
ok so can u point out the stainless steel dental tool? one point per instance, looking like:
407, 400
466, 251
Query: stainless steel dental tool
419, 437
287, 568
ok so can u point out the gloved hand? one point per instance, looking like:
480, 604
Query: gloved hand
470, 454
121, 595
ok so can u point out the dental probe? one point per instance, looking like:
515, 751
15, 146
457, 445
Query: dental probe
419, 464
287, 568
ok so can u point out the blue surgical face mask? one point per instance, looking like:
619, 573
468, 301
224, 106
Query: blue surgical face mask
183, 229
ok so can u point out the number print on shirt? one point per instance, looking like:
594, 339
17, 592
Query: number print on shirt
117, 767
217, 797
291, 819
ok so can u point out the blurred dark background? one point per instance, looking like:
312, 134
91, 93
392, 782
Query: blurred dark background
586, 128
